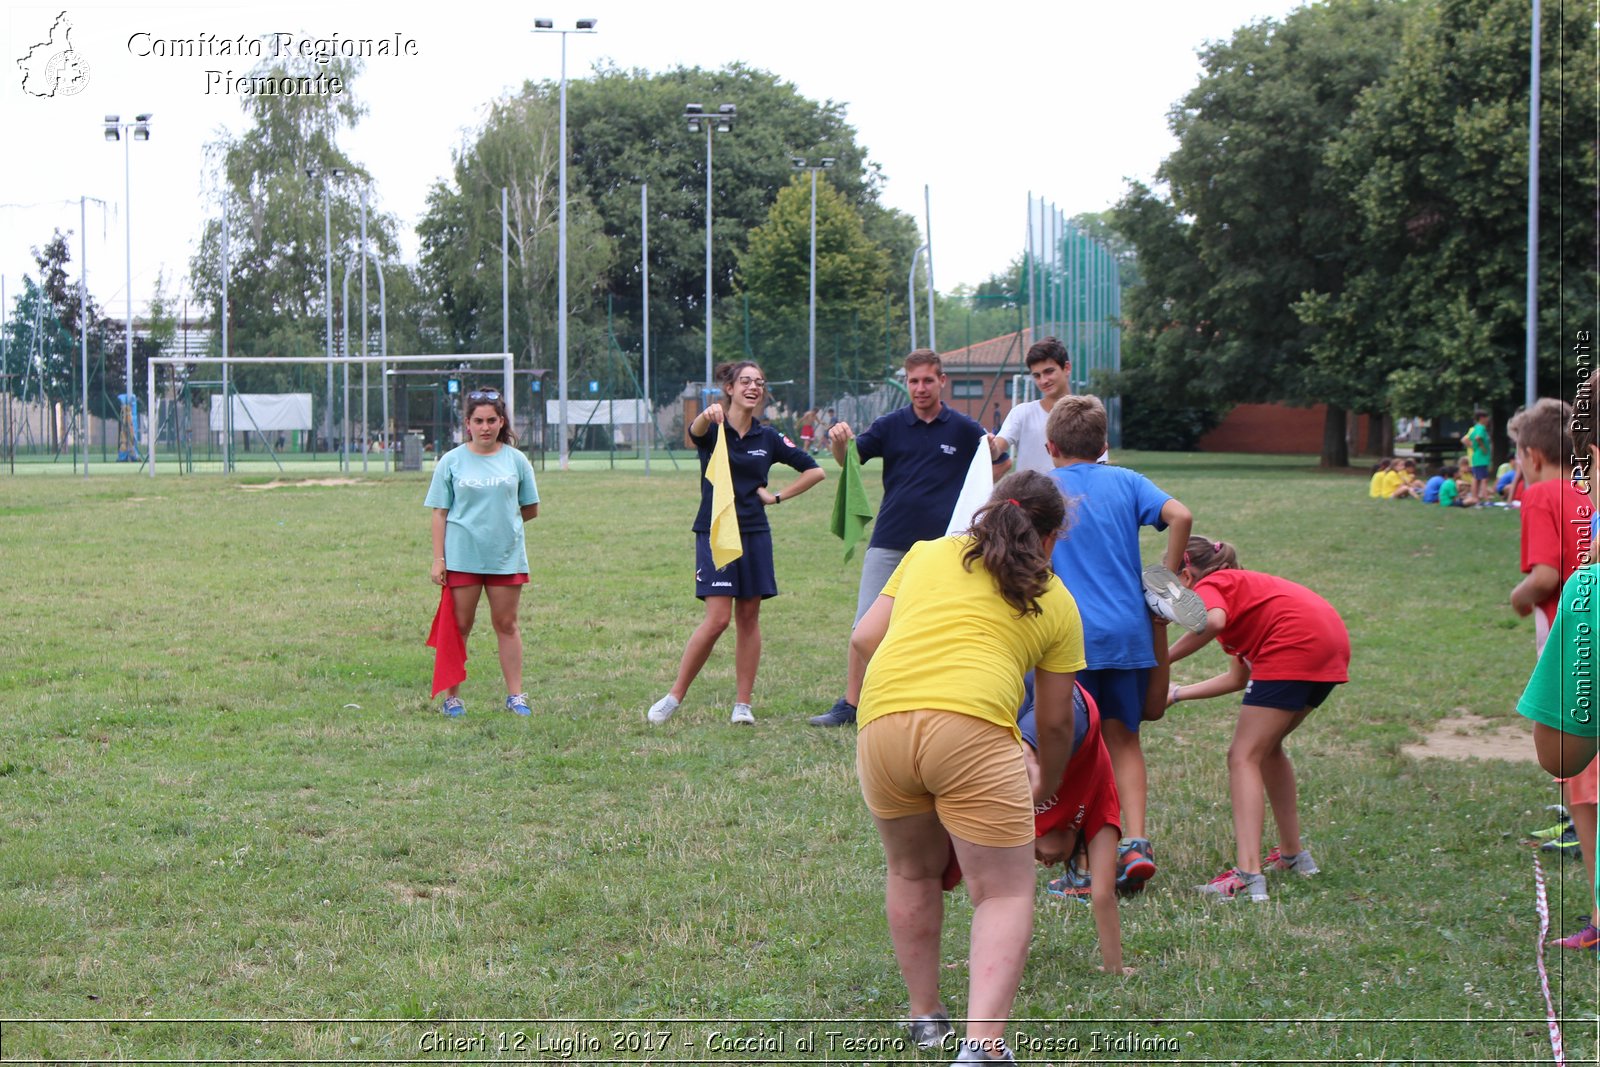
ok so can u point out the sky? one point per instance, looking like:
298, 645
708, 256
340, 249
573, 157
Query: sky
981, 105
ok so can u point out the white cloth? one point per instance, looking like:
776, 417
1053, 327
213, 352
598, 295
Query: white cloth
264, 411
1024, 429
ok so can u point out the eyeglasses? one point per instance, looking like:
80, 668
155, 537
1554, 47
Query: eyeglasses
484, 394
759, 383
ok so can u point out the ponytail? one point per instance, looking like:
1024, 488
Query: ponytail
1008, 535
1204, 556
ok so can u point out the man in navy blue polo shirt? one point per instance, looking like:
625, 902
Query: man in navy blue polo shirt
926, 449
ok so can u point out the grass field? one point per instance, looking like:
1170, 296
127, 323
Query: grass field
225, 797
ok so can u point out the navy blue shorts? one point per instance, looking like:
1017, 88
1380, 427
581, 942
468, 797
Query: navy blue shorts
1481, 473
749, 576
1028, 725
1119, 693
1289, 696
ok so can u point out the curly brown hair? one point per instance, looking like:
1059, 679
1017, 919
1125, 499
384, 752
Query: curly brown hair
1008, 535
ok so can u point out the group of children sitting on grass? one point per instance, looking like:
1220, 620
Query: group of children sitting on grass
1449, 487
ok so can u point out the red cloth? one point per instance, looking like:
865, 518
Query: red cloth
450, 651
1281, 629
1086, 801
1555, 530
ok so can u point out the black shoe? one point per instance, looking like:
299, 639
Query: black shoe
843, 713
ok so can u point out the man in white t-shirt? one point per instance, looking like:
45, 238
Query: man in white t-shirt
1023, 430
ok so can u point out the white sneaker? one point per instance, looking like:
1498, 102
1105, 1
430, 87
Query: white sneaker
742, 715
1184, 605
662, 709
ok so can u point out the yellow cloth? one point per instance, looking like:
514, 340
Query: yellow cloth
954, 645
1388, 482
726, 545
1374, 487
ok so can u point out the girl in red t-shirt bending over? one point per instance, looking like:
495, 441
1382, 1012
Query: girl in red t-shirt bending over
1289, 648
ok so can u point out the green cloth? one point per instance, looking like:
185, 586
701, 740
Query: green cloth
851, 511
1478, 445
1448, 490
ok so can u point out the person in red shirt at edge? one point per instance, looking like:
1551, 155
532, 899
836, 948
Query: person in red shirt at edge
1289, 648
1555, 541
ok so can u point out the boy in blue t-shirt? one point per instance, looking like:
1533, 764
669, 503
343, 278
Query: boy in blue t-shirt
1560, 696
1098, 561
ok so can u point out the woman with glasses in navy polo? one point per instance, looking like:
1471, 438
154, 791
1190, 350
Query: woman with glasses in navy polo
736, 591
482, 492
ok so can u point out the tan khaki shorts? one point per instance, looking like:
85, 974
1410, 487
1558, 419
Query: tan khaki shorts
968, 770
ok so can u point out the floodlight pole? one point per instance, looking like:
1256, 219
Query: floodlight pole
548, 26
644, 270
1531, 389
722, 122
327, 288
138, 130
83, 316
927, 214
811, 365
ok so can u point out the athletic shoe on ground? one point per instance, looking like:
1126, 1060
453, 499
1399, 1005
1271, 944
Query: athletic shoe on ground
1074, 885
453, 708
1187, 609
930, 1031
742, 715
1234, 884
1586, 939
1300, 863
972, 1053
518, 703
662, 709
843, 713
1550, 832
1136, 864
1566, 844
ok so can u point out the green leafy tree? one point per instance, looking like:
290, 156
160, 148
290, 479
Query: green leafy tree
44, 334
517, 149
275, 217
774, 273
1435, 163
1251, 223
626, 128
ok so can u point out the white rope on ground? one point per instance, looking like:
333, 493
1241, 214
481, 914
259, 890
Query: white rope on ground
1542, 905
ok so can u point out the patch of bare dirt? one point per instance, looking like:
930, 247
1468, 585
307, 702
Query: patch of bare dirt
303, 482
1466, 736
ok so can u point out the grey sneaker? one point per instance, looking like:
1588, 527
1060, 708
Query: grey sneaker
1300, 863
930, 1031
1234, 884
973, 1053
1184, 606
742, 715
662, 709
843, 713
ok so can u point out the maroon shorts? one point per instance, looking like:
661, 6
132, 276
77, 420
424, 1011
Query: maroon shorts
459, 578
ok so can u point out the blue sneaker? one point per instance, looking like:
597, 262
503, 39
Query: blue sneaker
453, 708
518, 702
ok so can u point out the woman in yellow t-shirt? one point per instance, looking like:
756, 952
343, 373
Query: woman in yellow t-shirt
959, 623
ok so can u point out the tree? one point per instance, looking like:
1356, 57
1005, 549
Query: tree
1250, 225
626, 128
1434, 163
517, 148
44, 335
276, 243
774, 273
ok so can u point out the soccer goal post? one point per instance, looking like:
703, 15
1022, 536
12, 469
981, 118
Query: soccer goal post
182, 365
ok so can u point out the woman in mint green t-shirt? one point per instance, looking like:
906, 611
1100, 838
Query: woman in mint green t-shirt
482, 492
